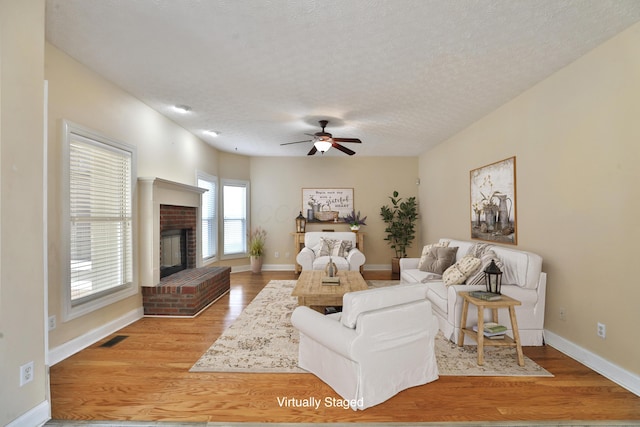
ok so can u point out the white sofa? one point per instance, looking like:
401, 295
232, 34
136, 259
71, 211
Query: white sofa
310, 258
522, 279
381, 343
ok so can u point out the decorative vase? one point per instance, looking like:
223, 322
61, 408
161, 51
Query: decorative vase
256, 263
504, 211
355, 228
331, 269
490, 218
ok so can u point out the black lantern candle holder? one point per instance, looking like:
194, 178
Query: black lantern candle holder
493, 278
301, 223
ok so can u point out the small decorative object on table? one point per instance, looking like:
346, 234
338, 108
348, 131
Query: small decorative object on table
486, 296
331, 271
493, 278
354, 221
301, 223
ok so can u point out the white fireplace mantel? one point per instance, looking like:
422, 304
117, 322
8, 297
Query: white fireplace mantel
153, 192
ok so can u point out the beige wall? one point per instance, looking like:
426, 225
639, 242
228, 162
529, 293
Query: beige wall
22, 289
276, 197
164, 149
576, 138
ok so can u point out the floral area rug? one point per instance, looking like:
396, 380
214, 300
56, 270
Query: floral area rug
262, 339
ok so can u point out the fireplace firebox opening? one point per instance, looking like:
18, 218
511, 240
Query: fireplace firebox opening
173, 250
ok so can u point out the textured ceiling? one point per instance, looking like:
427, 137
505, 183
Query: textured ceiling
401, 75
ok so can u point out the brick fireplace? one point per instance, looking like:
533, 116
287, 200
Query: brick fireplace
172, 279
178, 225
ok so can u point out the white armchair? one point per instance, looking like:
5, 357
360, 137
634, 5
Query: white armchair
381, 344
315, 255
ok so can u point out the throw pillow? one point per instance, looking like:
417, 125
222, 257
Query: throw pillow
478, 249
342, 250
478, 277
458, 272
439, 259
425, 252
330, 247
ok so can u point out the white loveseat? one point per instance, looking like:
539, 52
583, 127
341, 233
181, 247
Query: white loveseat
381, 343
312, 256
522, 279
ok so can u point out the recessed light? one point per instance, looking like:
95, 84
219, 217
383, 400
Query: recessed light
182, 108
212, 132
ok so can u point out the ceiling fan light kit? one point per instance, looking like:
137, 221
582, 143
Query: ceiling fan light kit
322, 145
322, 141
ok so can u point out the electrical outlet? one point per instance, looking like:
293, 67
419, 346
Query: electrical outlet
563, 313
602, 330
26, 373
287, 255
277, 254
52, 322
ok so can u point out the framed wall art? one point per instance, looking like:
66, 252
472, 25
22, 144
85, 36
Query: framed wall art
493, 202
326, 204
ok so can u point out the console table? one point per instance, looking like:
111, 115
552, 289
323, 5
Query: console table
298, 243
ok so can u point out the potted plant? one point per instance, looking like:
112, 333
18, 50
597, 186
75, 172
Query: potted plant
257, 240
354, 221
400, 219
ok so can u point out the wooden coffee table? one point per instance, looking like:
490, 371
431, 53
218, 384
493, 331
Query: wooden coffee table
313, 293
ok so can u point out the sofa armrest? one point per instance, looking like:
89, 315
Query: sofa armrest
305, 258
355, 258
409, 263
324, 329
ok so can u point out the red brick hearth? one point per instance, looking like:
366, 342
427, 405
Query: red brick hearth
187, 292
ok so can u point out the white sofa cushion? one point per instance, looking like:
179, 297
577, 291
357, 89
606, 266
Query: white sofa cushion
520, 268
320, 263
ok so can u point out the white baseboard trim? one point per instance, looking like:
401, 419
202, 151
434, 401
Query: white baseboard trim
615, 373
70, 348
377, 267
291, 267
36, 416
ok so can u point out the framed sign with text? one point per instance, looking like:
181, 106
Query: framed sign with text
326, 204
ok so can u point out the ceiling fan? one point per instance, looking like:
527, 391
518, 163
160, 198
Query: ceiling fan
322, 141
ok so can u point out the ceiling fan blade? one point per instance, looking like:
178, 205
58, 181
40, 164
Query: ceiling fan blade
312, 151
297, 142
347, 140
343, 149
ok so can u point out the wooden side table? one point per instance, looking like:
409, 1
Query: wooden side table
505, 302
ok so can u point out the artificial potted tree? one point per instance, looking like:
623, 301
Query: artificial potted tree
256, 249
400, 219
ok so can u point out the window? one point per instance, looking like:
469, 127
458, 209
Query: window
209, 215
99, 180
235, 202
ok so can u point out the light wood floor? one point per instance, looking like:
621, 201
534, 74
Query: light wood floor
146, 378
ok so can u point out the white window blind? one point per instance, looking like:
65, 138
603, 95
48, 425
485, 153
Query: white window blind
234, 199
209, 215
100, 215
